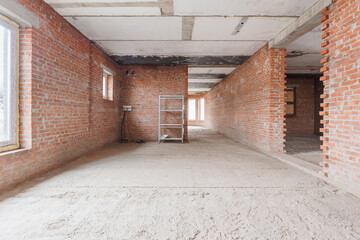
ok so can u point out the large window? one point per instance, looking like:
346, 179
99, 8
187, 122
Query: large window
8, 85
192, 109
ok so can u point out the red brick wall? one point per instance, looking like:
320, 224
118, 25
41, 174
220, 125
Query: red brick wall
248, 105
341, 107
303, 121
142, 89
62, 113
197, 122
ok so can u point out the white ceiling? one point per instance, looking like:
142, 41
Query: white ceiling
304, 54
95, 1
129, 28
110, 11
255, 28
242, 7
193, 28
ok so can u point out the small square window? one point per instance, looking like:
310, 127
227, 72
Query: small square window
107, 85
290, 98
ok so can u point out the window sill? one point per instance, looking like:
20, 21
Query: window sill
15, 151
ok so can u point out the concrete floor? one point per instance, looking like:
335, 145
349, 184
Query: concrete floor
305, 147
210, 188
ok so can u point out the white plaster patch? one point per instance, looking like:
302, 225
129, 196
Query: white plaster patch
129, 28
242, 7
181, 48
109, 11
255, 28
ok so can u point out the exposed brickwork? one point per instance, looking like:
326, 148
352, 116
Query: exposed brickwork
248, 105
104, 114
142, 89
197, 122
303, 121
341, 107
62, 113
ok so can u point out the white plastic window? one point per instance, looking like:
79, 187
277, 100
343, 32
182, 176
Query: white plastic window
202, 109
8, 84
192, 109
105, 86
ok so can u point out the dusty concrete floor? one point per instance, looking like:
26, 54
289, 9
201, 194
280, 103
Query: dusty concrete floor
211, 188
305, 147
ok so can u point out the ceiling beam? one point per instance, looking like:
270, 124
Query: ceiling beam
215, 80
206, 76
199, 89
18, 13
201, 85
102, 4
182, 60
305, 23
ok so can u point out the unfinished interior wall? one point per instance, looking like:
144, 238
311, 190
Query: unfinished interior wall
341, 107
303, 120
140, 89
62, 113
248, 105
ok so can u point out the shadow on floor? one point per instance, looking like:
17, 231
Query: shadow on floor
304, 147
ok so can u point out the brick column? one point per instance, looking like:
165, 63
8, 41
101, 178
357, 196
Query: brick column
276, 78
341, 106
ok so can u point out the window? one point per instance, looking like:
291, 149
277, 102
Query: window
107, 85
290, 102
202, 109
192, 109
8, 85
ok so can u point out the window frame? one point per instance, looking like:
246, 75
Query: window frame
192, 100
14, 28
201, 108
289, 89
107, 85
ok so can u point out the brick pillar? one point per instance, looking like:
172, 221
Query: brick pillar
341, 106
276, 78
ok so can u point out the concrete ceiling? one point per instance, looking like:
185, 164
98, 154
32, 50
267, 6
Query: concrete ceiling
241, 7
252, 28
202, 79
304, 54
212, 36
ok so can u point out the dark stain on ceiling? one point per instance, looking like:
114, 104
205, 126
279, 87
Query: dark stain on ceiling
180, 60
